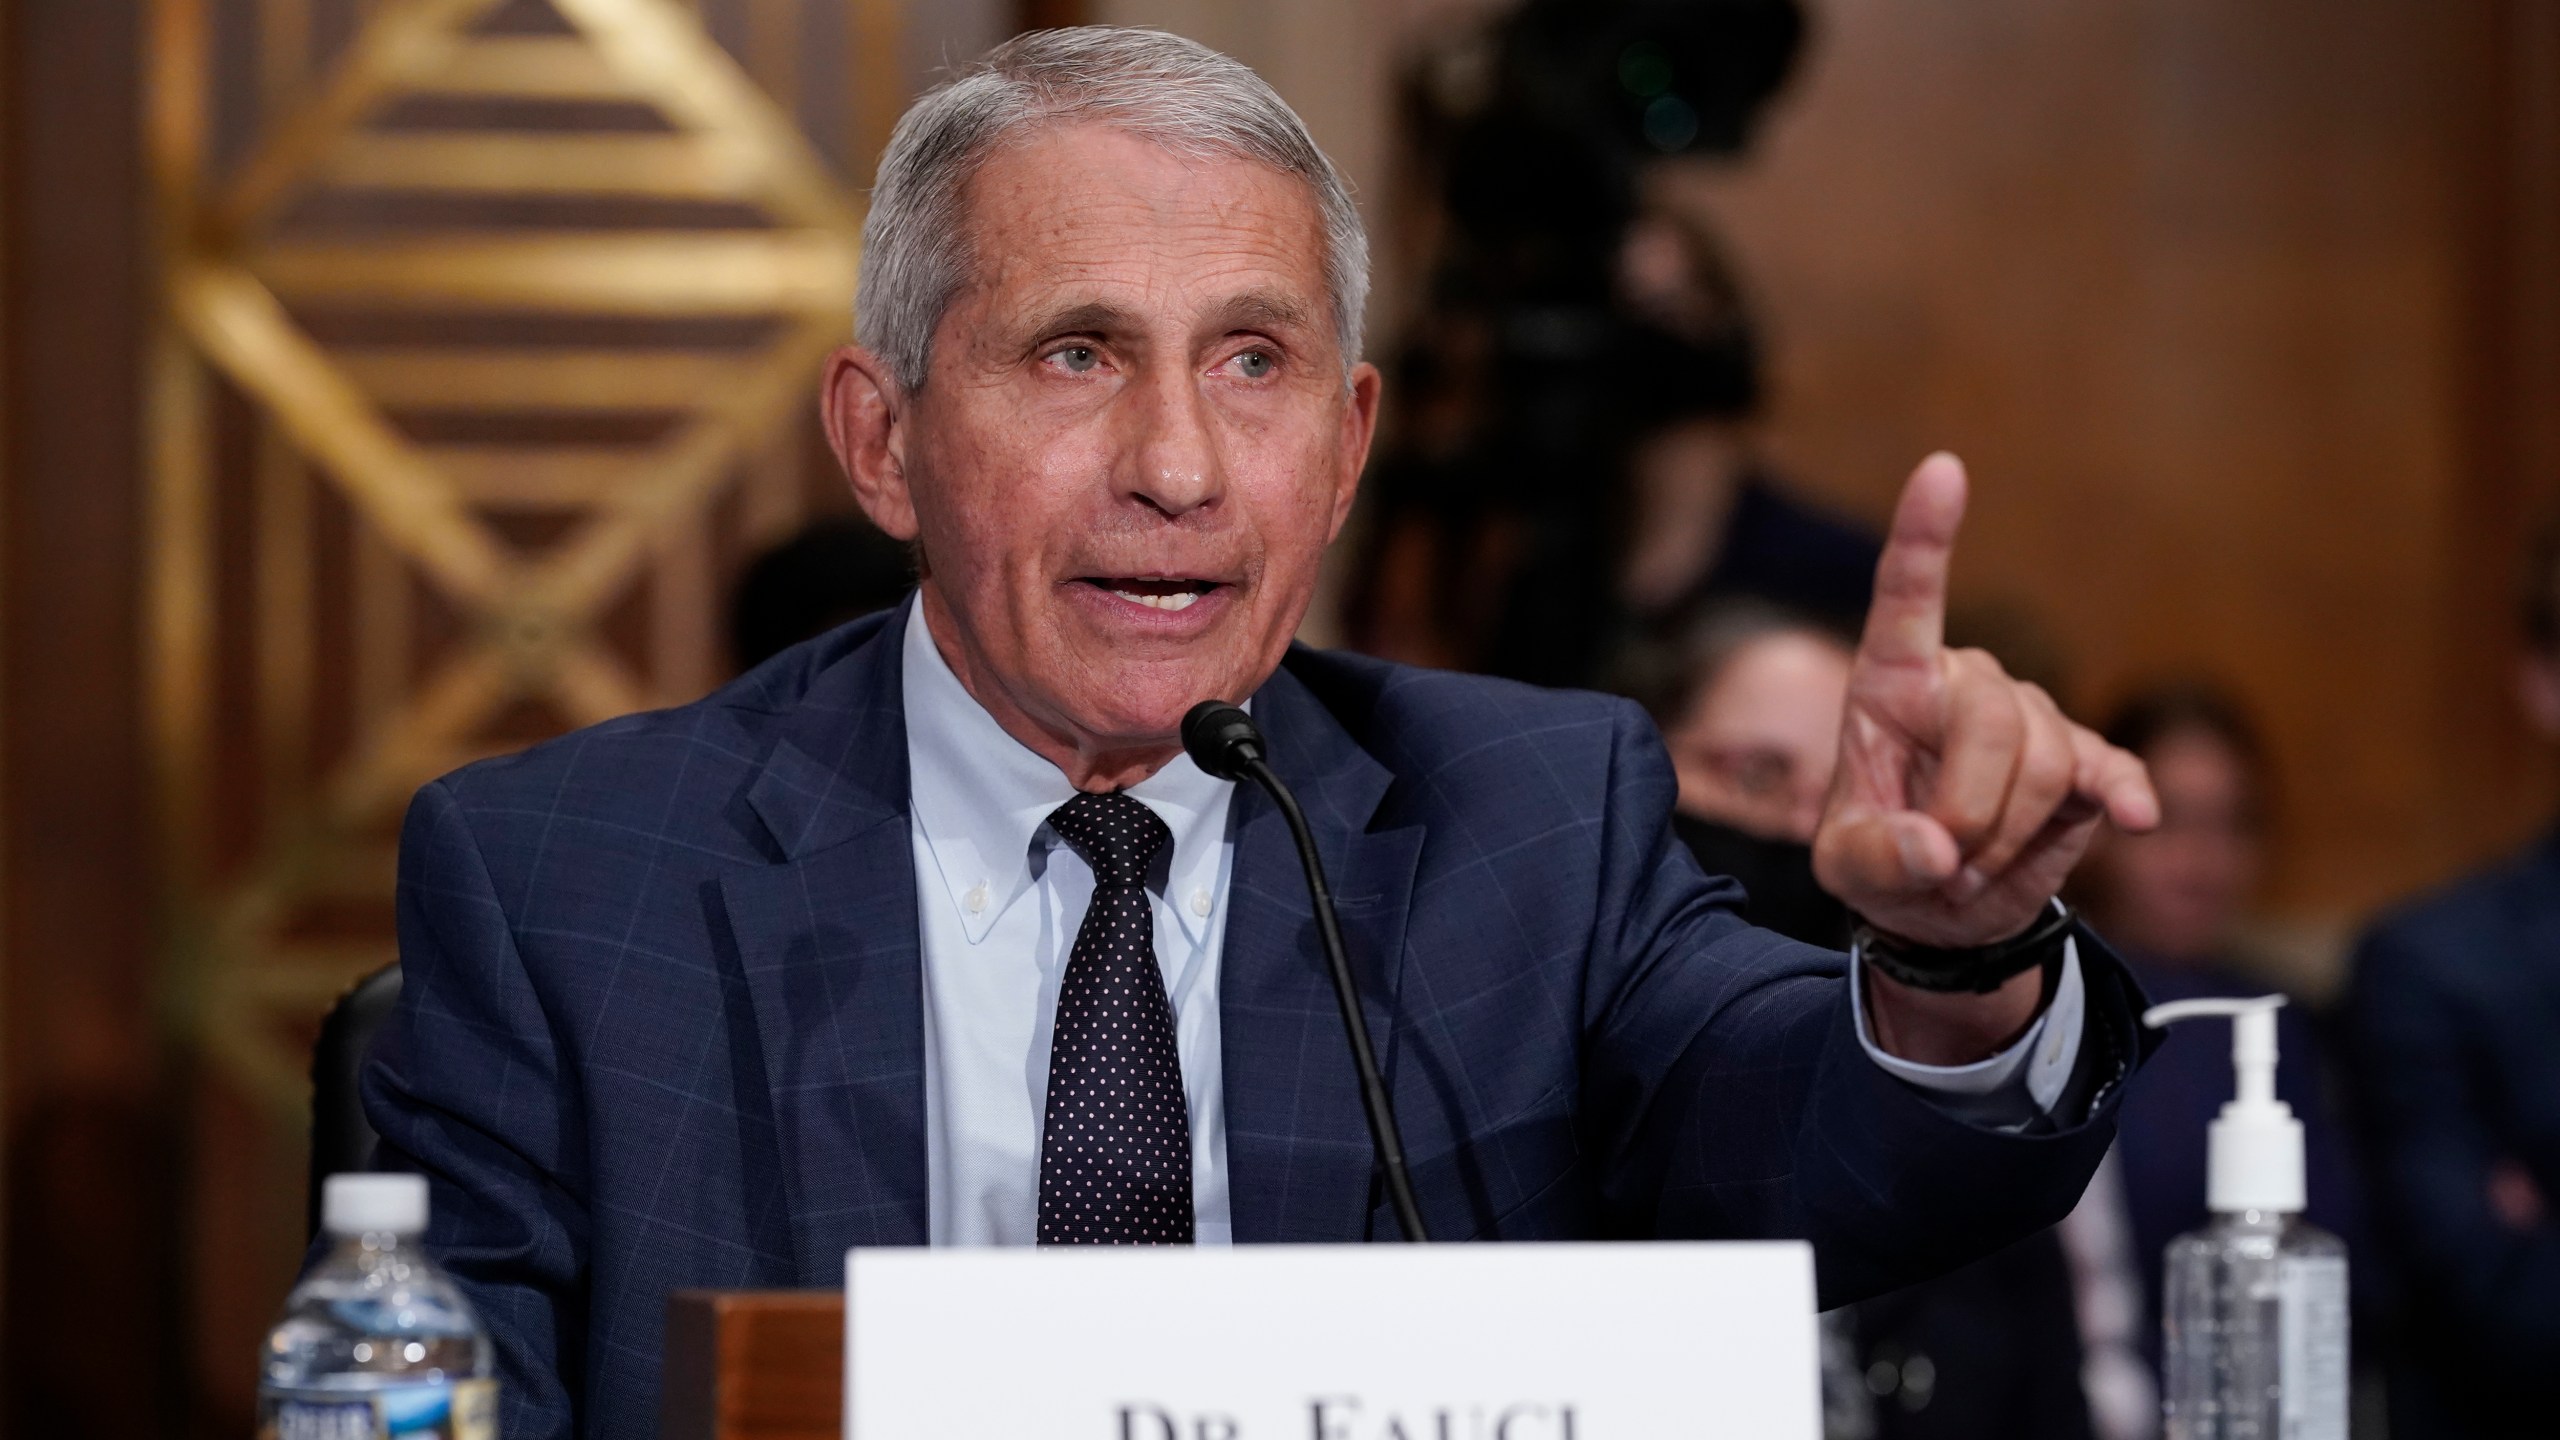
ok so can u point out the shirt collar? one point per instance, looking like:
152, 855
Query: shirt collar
982, 799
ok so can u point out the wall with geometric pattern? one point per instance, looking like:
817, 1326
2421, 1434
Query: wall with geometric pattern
488, 335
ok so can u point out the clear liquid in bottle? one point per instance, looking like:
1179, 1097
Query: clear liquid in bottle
2255, 1331
376, 1343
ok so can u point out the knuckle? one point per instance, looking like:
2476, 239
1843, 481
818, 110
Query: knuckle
1969, 817
1981, 662
1989, 701
2049, 770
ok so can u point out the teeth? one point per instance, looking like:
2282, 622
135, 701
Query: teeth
1180, 600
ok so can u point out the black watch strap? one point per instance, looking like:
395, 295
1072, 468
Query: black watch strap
1970, 970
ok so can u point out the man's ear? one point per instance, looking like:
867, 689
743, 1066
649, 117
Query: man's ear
865, 410
1359, 427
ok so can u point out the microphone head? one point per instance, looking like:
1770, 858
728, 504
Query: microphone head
1220, 739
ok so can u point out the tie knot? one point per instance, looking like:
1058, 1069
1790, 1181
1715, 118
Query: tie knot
1115, 834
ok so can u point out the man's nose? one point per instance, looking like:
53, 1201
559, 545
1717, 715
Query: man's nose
1173, 461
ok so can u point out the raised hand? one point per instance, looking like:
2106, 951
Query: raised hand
1963, 797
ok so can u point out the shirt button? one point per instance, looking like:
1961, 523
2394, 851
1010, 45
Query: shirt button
976, 899
1200, 902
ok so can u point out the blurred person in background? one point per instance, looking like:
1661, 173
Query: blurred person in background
1750, 705
1575, 463
2453, 1021
1749, 699
2176, 899
830, 571
1704, 515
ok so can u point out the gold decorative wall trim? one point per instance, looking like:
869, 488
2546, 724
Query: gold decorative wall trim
243, 272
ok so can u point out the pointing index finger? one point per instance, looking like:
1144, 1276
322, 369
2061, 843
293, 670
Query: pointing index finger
1907, 622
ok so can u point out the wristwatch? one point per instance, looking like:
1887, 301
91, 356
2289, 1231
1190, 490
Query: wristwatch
1966, 970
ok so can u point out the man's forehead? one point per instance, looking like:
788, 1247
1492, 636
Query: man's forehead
1092, 216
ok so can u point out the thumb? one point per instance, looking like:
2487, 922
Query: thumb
1884, 854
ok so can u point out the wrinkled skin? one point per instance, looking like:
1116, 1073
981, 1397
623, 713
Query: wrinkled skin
1139, 391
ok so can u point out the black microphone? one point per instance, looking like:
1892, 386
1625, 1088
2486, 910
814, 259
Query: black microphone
1224, 741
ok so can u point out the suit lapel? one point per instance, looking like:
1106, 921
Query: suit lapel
830, 960
1299, 1160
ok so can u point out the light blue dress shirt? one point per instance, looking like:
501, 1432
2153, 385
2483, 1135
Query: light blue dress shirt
999, 897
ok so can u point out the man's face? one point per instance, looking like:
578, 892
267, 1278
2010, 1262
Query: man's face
1756, 748
2178, 892
1134, 441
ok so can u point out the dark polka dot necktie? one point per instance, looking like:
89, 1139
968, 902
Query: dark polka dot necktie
1115, 1145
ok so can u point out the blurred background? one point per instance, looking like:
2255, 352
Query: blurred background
394, 382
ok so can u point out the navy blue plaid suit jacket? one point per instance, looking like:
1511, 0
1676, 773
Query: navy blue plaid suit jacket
662, 1020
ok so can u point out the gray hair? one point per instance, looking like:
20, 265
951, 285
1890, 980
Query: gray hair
1162, 88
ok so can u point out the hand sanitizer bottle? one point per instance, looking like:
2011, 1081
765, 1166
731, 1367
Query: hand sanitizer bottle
2255, 1317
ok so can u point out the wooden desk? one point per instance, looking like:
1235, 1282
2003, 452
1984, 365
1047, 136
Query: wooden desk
753, 1365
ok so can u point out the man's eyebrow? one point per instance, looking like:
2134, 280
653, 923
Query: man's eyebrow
1094, 316
1255, 310
1261, 310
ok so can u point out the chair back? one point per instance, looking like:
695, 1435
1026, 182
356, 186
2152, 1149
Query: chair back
341, 1140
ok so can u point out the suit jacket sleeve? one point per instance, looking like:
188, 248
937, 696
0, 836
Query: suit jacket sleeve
466, 1087
2430, 1149
1729, 1096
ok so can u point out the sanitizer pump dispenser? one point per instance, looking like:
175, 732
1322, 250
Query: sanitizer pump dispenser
2254, 1319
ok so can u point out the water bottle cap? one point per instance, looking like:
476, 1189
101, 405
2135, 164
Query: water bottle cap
370, 1204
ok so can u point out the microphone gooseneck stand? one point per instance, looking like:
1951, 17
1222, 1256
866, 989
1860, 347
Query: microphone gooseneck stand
1224, 741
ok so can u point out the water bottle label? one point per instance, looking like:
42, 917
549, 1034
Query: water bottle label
454, 1410
2311, 1303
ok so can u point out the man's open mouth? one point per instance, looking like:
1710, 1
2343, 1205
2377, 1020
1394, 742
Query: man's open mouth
1154, 593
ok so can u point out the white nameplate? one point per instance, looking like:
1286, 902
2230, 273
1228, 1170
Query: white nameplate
1333, 1342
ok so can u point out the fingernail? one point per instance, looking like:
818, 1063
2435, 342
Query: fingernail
1968, 885
1915, 853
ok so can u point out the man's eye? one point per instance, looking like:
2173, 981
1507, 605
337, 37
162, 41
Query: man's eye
1075, 359
1255, 364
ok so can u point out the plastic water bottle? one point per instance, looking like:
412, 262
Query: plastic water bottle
2254, 1319
376, 1342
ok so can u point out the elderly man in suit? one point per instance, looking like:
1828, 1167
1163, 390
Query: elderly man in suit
867, 947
